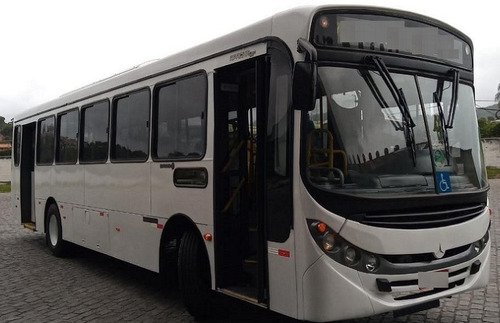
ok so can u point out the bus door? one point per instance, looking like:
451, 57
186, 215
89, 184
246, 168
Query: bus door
240, 244
27, 173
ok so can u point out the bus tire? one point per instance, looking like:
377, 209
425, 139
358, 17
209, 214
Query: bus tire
194, 275
53, 231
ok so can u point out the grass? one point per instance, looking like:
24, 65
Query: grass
4, 187
493, 172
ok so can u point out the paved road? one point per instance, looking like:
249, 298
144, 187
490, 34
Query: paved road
89, 287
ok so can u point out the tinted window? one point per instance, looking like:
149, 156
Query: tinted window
390, 34
95, 133
130, 124
67, 137
17, 145
45, 142
180, 119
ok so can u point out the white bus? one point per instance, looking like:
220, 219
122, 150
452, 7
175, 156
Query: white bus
323, 163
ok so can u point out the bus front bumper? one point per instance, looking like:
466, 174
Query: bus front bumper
335, 292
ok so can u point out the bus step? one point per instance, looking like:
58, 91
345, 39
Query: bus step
251, 261
29, 225
242, 294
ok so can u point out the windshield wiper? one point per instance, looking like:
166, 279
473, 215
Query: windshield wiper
400, 99
447, 124
454, 98
380, 98
444, 127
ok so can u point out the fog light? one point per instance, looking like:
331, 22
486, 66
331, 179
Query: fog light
371, 263
328, 241
477, 246
485, 238
350, 256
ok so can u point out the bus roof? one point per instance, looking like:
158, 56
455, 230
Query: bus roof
288, 26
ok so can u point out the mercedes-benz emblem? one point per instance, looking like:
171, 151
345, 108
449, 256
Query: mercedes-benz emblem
440, 253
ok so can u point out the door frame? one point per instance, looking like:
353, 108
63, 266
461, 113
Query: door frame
261, 69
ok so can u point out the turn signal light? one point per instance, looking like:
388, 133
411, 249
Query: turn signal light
321, 227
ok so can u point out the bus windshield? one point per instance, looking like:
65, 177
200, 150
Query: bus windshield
359, 141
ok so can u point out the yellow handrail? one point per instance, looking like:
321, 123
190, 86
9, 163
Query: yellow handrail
233, 196
311, 151
232, 156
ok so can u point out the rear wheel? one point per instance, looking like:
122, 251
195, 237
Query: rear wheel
194, 275
53, 231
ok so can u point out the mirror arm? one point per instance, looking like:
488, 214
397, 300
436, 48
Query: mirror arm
303, 46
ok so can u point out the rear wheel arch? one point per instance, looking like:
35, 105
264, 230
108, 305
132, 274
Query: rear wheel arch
53, 230
48, 203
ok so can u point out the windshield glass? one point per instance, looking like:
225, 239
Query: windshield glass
358, 142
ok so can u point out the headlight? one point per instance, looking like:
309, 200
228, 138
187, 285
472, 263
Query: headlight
343, 252
371, 263
350, 256
328, 241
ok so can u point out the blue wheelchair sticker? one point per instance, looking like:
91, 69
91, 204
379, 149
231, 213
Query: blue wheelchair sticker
443, 182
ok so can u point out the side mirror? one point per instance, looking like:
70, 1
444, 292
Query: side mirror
305, 76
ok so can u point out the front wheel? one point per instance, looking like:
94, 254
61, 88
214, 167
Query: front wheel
194, 275
53, 231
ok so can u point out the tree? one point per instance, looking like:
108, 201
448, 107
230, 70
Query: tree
5, 129
497, 96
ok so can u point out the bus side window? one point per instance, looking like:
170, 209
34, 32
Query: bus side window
180, 123
94, 138
45, 142
130, 139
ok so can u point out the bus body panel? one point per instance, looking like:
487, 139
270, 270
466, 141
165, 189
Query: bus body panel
134, 238
397, 241
119, 187
68, 184
282, 276
333, 292
43, 182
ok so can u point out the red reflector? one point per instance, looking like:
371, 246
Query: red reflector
101, 214
159, 226
284, 253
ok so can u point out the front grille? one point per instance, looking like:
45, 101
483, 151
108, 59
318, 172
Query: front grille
424, 257
424, 218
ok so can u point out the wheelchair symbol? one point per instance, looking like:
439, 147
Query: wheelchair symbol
443, 184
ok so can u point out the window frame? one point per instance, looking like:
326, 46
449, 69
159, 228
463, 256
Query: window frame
154, 117
38, 141
16, 150
112, 135
58, 136
82, 132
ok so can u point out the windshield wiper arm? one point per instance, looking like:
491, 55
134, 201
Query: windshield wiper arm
444, 127
454, 99
400, 99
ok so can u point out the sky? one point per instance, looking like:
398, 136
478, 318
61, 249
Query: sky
51, 47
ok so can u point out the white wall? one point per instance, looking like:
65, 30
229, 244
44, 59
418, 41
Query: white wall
5, 170
491, 149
